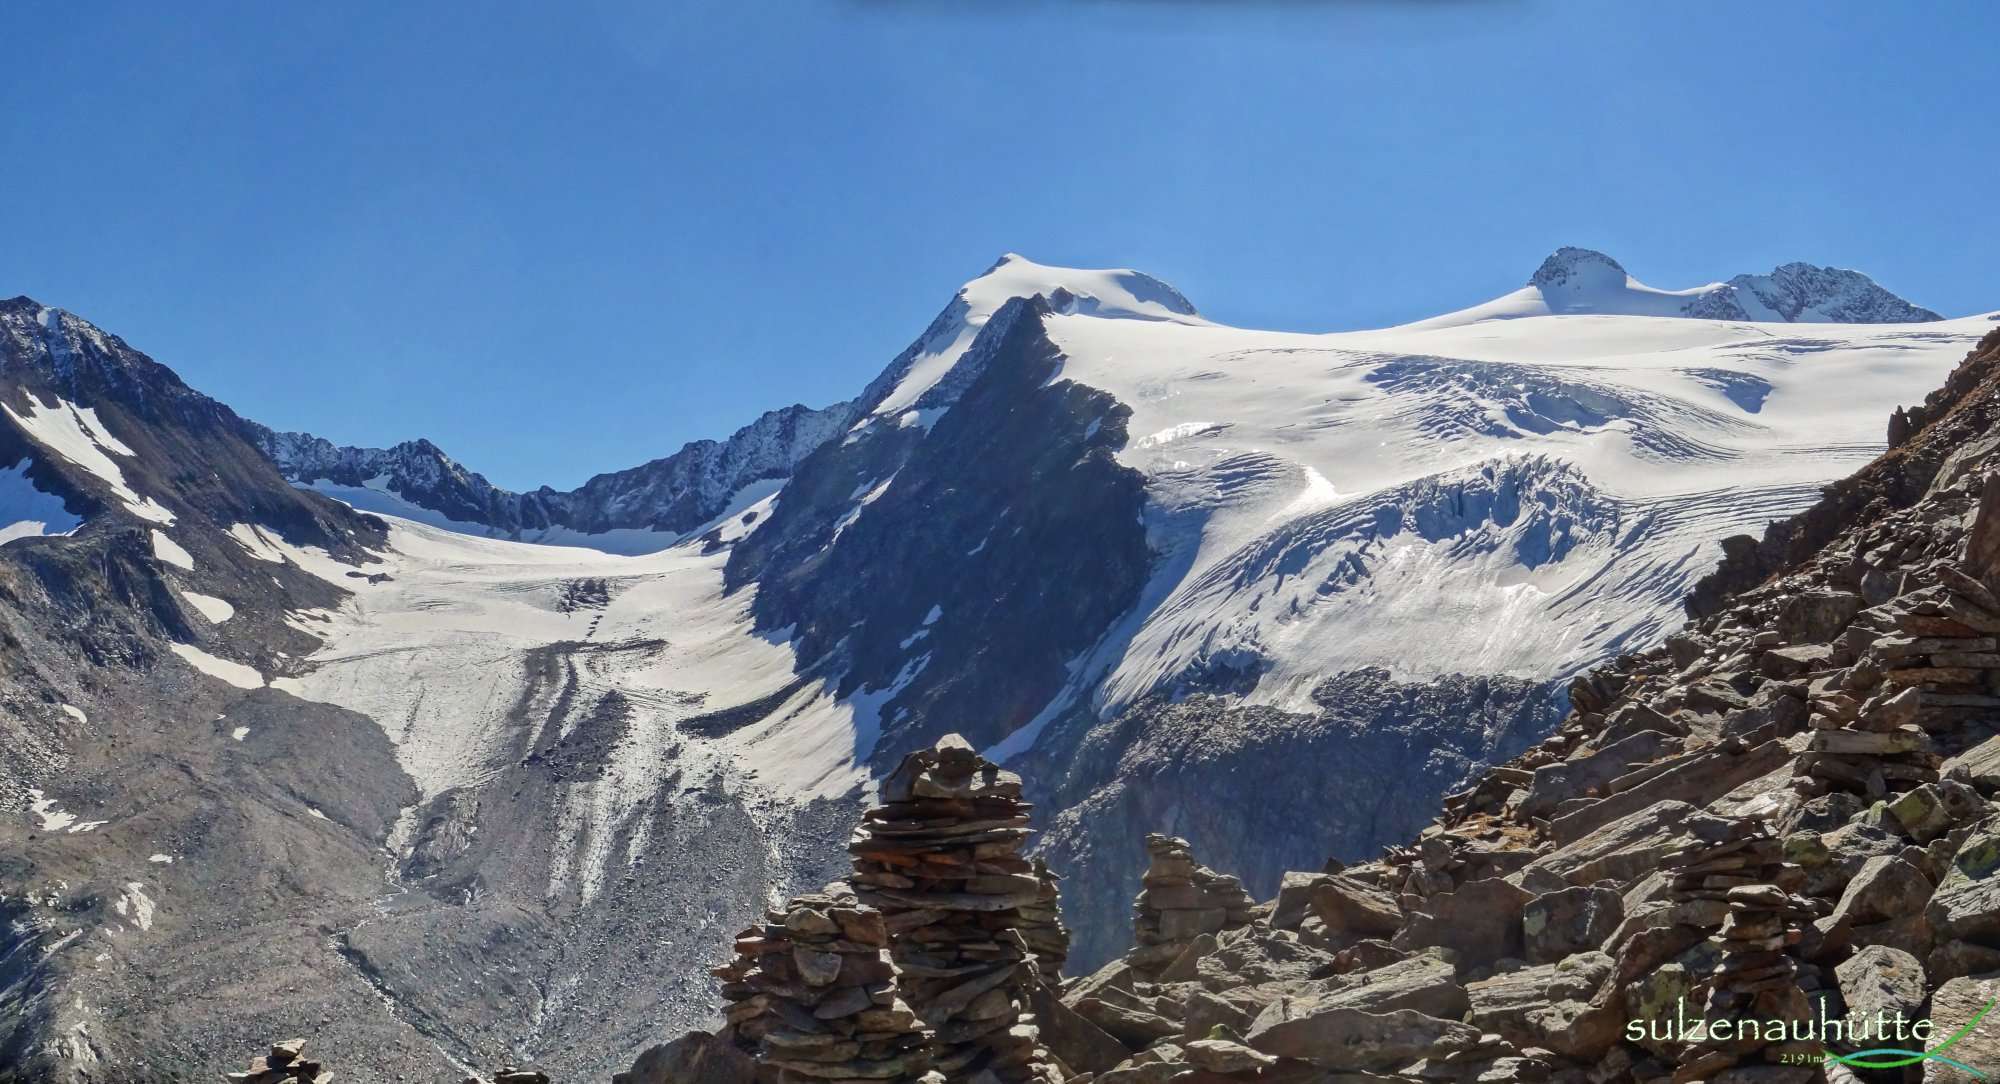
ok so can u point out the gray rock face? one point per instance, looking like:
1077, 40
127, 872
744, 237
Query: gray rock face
1796, 292
1479, 923
1953, 1006
1882, 982
1550, 1006
1199, 768
695, 1058
1967, 902
1573, 920
1335, 1037
1792, 292
1426, 983
669, 496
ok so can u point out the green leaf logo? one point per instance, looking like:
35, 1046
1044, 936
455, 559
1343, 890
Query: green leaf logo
1891, 1057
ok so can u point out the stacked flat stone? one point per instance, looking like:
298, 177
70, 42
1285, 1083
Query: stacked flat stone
1179, 901
941, 858
1042, 925
285, 1062
811, 993
514, 1074
1871, 746
1734, 889
1927, 659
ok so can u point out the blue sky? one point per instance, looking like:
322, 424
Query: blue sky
565, 240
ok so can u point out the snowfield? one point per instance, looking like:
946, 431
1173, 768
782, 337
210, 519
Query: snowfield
1502, 491
26, 511
78, 435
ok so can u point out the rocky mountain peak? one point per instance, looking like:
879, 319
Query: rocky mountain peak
1577, 268
1797, 291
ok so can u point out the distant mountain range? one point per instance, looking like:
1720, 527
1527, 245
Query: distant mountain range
1273, 592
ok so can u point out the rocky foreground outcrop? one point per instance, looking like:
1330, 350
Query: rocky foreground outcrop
1789, 813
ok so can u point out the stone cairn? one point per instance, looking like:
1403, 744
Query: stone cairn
1734, 888
1179, 901
1869, 746
1042, 925
285, 1062
941, 858
1927, 659
514, 1074
811, 993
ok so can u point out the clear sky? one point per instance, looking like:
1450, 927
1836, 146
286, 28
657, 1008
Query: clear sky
565, 239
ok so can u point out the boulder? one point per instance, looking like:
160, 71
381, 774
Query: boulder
1704, 778
1882, 980
1225, 1056
1982, 545
1953, 1006
1954, 959
1623, 850
1887, 887
1933, 809
1353, 908
1126, 1020
1575, 777
1255, 954
1552, 1006
1426, 983
1480, 923
1966, 905
1815, 617
1556, 925
695, 1058
1978, 766
1337, 1037
1082, 1045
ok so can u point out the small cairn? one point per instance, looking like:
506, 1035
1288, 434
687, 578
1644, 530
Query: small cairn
810, 992
1181, 900
1871, 746
1734, 888
285, 1062
941, 858
513, 1074
1042, 925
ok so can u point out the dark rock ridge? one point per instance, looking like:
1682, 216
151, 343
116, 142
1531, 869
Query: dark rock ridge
961, 566
670, 495
1383, 753
1787, 813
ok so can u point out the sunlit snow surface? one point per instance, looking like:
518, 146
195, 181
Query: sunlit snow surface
80, 436
1517, 496
26, 511
1520, 495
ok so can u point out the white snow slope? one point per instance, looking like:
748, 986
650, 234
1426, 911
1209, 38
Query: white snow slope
1517, 494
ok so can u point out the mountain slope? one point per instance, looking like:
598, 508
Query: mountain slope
1075, 520
176, 823
1274, 591
1756, 852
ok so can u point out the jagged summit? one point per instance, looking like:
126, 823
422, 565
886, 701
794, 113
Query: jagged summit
638, 510
1575, 281
1803, 293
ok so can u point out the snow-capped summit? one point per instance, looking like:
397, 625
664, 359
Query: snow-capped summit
1584, 282
1110, 292
1801, 293
913, 387
1578, 269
